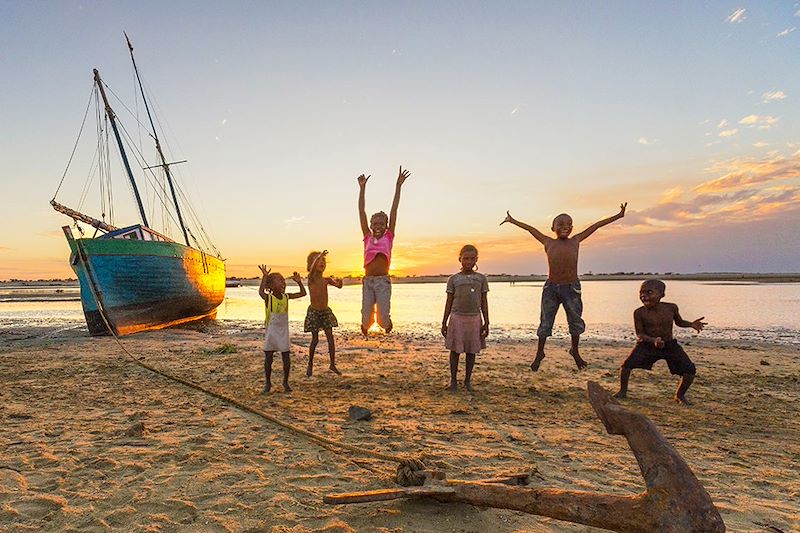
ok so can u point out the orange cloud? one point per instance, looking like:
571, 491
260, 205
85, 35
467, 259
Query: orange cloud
743, 173
748, 189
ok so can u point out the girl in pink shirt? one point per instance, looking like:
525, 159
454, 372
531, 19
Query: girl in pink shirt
376, 287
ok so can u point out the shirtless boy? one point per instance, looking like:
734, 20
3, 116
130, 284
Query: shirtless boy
319, 316
562, 286
653, 322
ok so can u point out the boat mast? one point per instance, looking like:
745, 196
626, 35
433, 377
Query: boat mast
112, 118
164, 163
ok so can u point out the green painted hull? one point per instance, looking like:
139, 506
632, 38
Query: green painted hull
139, 285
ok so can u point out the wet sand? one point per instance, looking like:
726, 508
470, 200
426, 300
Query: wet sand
92, 442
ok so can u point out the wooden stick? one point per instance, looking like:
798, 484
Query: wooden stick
674, 502
386, 494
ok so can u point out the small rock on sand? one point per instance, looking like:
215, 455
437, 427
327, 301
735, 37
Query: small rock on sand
359, 413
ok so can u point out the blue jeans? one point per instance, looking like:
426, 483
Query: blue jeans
568, 295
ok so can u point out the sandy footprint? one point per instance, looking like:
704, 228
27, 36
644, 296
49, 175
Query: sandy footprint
39, 507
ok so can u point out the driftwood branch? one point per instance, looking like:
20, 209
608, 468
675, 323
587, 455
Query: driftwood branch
675, 501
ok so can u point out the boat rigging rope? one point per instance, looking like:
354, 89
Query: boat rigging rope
85, 114
410, 471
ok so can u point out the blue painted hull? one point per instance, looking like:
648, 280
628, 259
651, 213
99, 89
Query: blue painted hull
140, 285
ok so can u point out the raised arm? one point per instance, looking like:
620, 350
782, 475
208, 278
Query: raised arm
336, 282
362, 213
402, 176
698, 324
597, 225
538, 235
320, 255
262, 288
297, 279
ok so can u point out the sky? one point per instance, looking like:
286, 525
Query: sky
687, 111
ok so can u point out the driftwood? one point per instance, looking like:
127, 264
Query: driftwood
674, 501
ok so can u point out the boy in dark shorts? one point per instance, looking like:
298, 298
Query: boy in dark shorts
653, 322
319, 316
562, 286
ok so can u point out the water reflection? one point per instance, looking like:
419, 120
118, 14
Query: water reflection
756, 312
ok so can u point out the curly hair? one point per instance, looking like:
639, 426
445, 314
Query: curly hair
271, 277
310, 259
380, 214
656, 284
467, 248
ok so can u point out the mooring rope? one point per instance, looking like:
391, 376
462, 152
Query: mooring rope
410, 471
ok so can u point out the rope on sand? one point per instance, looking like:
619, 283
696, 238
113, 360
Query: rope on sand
410, 471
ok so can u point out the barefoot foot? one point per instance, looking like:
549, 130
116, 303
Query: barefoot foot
537, 361
468, 386
309, 371
335, 370
578, 361
681, 400
266, 389
286, 388
619, 395
452, 387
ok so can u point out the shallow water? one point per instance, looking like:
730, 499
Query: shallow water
765, 312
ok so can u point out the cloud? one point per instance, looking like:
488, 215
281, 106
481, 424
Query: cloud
728, 133
743, 189
760, 144
293, 220
645, 141
722, 123
763, 122
742, 173
786, 32
737, 16
672, 194
515, 111
773, 95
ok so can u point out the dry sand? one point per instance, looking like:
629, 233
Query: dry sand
89, 441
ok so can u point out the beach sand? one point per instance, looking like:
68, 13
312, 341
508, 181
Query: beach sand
92, 442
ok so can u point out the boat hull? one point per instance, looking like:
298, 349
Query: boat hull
137, 285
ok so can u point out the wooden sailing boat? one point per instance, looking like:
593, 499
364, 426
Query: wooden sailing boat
134, 278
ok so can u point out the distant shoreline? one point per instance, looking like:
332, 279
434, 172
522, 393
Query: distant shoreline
508, 278
734, 277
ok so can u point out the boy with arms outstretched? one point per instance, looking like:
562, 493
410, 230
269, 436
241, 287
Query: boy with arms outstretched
562, 286
653, 322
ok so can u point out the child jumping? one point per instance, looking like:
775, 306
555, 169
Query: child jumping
376, 287
562, 286
466, 302
319, 316
653, 322
276, 337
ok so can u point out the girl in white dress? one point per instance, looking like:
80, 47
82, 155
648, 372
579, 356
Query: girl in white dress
276, 306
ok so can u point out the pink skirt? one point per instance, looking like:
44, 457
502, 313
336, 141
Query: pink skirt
464, 334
